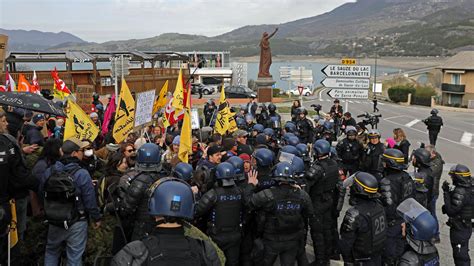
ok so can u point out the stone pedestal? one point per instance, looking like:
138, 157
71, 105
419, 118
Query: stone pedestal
264, 89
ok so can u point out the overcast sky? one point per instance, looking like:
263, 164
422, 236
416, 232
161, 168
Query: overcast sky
104, 20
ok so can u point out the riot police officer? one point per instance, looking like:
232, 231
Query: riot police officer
363, 228
171, 204
290, 127
304, 126
419, 230
371, 157
395, 187
421, 161
459, 206
224, 203
322, 179
349, 150
287, 209
421, 192
134, 205
262, 117
263, 160
275, 118
433, 124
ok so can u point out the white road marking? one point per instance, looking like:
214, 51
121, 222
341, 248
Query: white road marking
466, 138
321, 91
392, 117
410, 124
380, 103
351, 101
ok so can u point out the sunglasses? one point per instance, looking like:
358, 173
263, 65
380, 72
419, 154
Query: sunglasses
131, 150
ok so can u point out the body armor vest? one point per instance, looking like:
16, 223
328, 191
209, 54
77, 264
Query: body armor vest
372, 241
329, 179
227, 213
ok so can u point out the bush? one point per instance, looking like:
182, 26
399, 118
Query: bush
276, 92
400, 93
423, 95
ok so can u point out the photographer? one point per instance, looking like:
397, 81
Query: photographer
370, 119
348, 120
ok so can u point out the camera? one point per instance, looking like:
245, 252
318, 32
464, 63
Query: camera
370, 119
317, 107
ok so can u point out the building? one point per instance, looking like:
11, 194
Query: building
87, 72
458, 80
214, 67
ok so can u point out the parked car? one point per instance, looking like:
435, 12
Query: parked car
205, 89
295, 92
239, 92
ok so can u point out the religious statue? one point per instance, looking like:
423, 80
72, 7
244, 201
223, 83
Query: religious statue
265, 55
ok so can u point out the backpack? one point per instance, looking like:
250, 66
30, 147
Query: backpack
60, 199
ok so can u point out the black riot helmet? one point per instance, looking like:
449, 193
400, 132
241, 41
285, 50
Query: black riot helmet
422, 157
290, 127
362, 184
461, 175
302, 110
272, 108
434, 111
394, 159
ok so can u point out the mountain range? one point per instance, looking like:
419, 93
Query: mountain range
390, 27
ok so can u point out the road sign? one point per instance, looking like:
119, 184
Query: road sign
346, 71
285, 72
348, 93
348, 61
302, 76
300, 89
348, 83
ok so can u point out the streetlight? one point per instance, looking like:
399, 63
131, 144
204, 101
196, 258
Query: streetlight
375, 70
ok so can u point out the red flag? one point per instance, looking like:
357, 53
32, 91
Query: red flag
60, 84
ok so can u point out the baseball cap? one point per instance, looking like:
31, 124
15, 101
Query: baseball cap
213, 150
73, 144
240, 133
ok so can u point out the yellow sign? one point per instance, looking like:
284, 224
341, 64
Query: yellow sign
349, 61
124, 115
161, 101
78, 123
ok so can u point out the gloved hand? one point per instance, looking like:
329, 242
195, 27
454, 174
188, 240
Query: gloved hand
445, 186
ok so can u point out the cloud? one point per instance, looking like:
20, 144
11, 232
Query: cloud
126, 19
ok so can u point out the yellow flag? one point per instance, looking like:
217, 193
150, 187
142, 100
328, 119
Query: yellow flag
124, 115
222, 121
232, 123
13, 223
185, 139
78, 123
178, 96
161, 101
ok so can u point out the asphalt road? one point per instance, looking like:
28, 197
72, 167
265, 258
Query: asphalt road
455, 144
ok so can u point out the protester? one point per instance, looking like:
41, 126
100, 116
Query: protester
402, 143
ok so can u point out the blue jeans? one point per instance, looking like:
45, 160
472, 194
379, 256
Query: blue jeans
432, 209
75, 239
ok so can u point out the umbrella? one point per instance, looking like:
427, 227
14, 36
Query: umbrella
30, 101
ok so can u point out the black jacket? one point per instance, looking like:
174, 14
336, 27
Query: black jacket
404, 146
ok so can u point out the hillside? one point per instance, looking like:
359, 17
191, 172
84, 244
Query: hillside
402, 27
33, 40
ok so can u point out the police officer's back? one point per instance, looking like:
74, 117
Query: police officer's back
421, 192
225, 203
171, 203
421, 161
363, 228
396, 186
459, 206
322, 178
287, 209
433, 124
419, 230
134, 205
263, 160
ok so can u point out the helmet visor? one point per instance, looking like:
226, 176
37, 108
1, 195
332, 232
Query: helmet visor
285, 157
410, 209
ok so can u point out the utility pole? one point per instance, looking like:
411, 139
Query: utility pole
116, 81
375, 70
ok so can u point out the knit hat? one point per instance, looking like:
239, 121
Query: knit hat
37, 118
